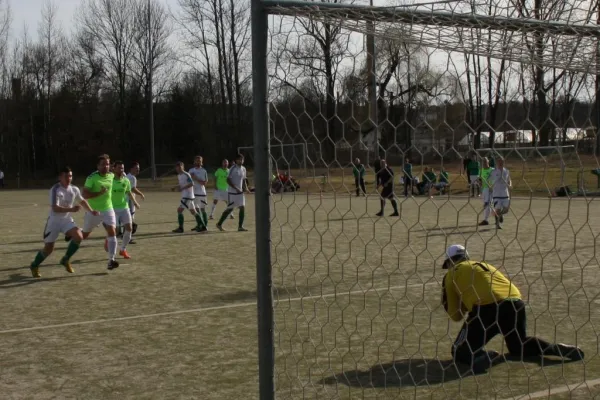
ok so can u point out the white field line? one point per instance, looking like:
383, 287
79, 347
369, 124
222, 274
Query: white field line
224, 307
556, 390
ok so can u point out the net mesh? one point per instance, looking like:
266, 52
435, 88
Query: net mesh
358, 310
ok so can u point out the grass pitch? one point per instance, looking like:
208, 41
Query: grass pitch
357, 311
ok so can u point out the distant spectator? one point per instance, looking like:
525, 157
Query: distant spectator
358, 170
429, 179
443, 181
1, 179
473, 170
408, 177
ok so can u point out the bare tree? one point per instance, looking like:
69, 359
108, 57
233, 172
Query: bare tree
5, 24
110, 25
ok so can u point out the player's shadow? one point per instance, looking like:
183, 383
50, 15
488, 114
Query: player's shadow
407, 372
76, 262
419, 372
20, 280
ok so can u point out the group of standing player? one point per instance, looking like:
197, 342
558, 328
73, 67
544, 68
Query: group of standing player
231, 184
107, 195
109, 198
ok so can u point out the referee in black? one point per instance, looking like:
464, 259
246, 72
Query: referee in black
385, 179
492, 305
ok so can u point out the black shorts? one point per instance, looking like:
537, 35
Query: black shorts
387, 193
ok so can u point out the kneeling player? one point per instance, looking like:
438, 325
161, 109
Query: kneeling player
186, 187
237, 186
121, 193
64, 200
492, 305
501, 186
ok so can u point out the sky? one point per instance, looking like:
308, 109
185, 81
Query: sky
27, 13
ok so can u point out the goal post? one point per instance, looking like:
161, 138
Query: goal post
349, 283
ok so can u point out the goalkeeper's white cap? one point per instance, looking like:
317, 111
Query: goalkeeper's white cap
454, 251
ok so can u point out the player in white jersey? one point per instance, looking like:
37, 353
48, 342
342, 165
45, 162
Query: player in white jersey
186, 187
134, 171
237, 186
200, 178
64, 200
501, 185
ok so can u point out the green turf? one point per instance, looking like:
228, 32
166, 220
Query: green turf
357, 312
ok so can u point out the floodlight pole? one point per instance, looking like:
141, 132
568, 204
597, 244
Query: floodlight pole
262, 196
150, 94
372, 84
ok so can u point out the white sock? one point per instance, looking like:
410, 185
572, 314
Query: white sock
126, 239
486, 212
212, 210
112, 247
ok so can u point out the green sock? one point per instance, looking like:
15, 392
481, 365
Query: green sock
199, 220
72, 249
225, 215
39, 258
241, 216
204, 217
180, 220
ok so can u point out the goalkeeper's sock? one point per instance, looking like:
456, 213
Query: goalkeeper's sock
241, 216
199, 220
204, 217
39, 258
180, 220
71, 249
382, 202
225, 215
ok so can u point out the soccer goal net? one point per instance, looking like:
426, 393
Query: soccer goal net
427, 91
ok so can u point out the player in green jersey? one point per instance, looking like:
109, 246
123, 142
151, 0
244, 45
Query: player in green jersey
121, 195
97, 190
221, 187
484, 176
473, 171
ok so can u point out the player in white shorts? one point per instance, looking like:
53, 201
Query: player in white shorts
200, 177
97, 190
237, 186
134, 171
221, 187
501, 185
186, 187
64, 200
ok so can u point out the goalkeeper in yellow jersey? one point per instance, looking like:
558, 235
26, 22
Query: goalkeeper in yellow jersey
492, 305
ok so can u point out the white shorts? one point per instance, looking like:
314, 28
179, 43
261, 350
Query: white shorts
485, 196
200, 201
187, 203
124, 216
56, 226
474, 179
220, 195
236, 200
503, 203
90, 221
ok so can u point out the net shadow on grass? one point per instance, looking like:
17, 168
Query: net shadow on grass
419, 372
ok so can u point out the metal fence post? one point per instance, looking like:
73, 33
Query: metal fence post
262, 179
